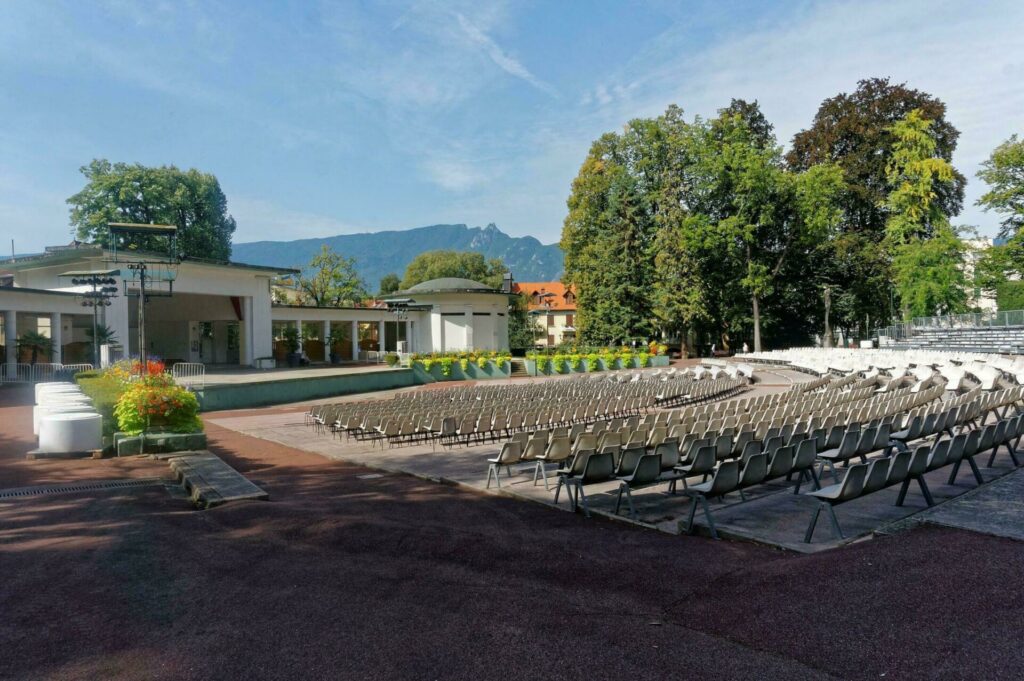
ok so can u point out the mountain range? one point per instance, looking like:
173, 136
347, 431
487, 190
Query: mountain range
380, 253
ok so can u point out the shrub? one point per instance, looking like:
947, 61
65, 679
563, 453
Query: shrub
644, 358
446, 366
391, 359
146, 406
464, 364
1010, 295
481, 362
577, 362
105, 390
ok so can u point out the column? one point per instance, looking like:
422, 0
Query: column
11, 338
495, 321
408, 336
380, 336
247, 334
436, 331
355, 341
298, 327
57, 338
469, 327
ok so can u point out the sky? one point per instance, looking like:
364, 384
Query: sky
322, 118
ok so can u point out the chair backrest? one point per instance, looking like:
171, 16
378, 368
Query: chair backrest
806, 453
937, 457
919, 461
973, 442
579, 461
723, 447
878, 473
751, 448
956, 448
726, 478
628, 460
559, 449
703, 461
853, 483
772, 443
898, 468
510, 453
647, 469
668, 452
534, 448
754, 470
781, 462
848, 447
598, 467
835, 437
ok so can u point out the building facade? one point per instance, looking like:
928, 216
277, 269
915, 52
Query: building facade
222, 313
553, 306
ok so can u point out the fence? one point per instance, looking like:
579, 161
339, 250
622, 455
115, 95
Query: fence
973, 320
37, 373
191, 375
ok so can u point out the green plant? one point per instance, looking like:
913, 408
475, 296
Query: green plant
290, 335
577, 362
391, 359
105, 389
104, 335
149, 405
37, 343
644, 358
482, 362
464, 364
446, 366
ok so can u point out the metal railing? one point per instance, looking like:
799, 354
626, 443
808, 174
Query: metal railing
39, 372
191, 375
973, 320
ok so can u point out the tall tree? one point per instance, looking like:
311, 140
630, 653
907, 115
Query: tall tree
928, 253
330, 280
461, 264
523, 329
854, 131
1003, 172
189, 199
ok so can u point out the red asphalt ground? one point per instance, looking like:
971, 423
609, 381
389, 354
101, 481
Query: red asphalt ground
339, 577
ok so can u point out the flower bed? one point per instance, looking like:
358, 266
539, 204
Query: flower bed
455, 366
579, 360
134, 399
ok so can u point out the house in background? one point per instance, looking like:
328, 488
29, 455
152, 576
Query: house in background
553, 305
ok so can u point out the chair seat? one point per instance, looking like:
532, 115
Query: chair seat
700, 488
830, 492
900, 435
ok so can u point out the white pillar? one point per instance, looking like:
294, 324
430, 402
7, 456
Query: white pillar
355, 341
298, 327
380, 335
247, 333
469, 327
56, 337
11, 337
436, 331
408, 336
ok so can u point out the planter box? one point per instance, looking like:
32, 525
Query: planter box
150, 443
265, 363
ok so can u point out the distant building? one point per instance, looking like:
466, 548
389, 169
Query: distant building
554, 305
976, 298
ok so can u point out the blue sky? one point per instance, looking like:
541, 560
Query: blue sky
336, 117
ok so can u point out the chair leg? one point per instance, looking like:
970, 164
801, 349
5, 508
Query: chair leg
689, 518
581, 499
974, 469
558, 490
952, 473
1013, 453
618, 500
629, 499
810, 527
707, 514
903, 492
924, 490
835, 521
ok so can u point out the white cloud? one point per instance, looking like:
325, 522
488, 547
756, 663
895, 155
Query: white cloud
505, 62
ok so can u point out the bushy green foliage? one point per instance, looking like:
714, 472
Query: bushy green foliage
104, 389
1010, 295
392, 359
460, 264
157, 405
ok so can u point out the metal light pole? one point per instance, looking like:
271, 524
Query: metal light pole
104, 287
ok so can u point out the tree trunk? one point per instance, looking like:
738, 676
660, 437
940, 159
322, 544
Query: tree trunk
757, 324
827, 341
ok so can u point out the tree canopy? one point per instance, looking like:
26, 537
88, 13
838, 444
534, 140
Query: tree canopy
122, 192
462, 264
389, 283
1003, 172
330, 280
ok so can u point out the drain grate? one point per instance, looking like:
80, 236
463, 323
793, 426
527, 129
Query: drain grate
72, 488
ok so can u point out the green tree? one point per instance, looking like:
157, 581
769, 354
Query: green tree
854, 131
1004, 174
523, 329
121, 192
389, 283
929, 274
38, 344
461, 264
928, 253
332, 281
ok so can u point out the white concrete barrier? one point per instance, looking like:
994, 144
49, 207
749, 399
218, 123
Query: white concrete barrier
39, 411
70, 433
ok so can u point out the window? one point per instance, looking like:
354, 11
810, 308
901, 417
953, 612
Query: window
568, 320
569, 297
551, 339
551, 320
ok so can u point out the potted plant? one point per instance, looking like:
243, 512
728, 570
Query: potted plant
291, 342
37, 343
334, 345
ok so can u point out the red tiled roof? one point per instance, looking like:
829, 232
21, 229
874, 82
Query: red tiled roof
556, 301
